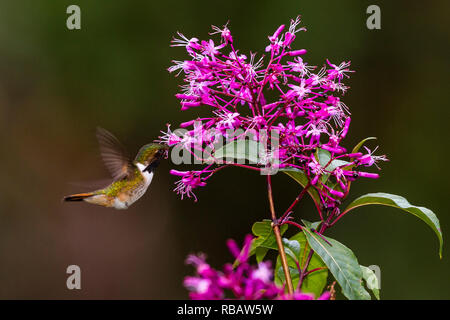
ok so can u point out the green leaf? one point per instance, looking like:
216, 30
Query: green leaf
240, 150
260, 253
371, 281
265, 238
341, 262
280, 279
399, 202
292, 248
361, 143
316, 224
299, 176
324, 157
314, 282
262, 228
296, 249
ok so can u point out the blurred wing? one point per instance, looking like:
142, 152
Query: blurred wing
113, 154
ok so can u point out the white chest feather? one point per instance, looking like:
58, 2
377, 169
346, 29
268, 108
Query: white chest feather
148, 176
138, 192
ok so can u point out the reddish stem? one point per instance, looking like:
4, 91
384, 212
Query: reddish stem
276, 230
294, 224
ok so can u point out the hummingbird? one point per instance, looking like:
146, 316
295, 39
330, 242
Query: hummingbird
130, 178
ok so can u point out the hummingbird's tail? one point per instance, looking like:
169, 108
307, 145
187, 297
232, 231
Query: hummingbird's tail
78, 196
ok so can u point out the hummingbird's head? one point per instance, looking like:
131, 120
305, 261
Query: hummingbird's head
151, 154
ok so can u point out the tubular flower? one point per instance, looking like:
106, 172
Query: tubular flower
278, 100
245, 281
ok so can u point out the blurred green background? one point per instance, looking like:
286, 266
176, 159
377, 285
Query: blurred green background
57, 85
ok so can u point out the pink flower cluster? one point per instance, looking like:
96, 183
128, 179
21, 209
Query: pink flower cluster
242, 282
299, 105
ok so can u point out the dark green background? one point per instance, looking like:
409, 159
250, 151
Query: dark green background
57, 85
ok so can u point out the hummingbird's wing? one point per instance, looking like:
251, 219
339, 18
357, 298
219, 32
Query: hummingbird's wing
114, 154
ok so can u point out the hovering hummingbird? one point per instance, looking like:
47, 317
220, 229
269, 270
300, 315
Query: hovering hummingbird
130, 178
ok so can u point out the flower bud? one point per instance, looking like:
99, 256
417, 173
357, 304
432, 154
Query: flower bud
336, 193
182, 96
187, 105
277, 33
369, 175
187, 124
296, 53
346, 126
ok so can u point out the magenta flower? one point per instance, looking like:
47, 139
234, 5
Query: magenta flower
369, 159
280, 94
244, 281
189, 181
274, 112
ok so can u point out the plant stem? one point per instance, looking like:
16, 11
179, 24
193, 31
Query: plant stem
294, 224
313, 270
304, 272
276, 230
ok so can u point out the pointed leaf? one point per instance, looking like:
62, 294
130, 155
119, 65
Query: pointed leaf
314, 282
399, 202
361, 143
341, 262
